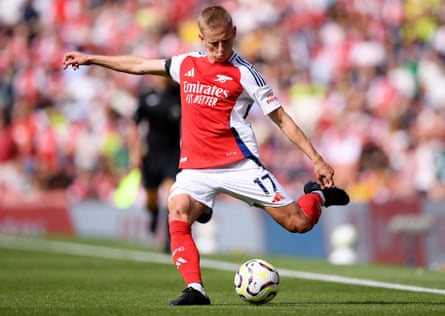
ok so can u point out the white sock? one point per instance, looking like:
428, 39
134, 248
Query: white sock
198, 287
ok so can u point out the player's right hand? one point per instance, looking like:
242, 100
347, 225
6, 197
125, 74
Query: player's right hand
74, 59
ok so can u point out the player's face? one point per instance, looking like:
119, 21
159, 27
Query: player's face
218, 43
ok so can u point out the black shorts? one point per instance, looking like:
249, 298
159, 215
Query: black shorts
158, 166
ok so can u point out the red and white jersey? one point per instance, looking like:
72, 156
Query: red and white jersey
215, 101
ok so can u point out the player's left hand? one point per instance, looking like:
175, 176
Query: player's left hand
324, 173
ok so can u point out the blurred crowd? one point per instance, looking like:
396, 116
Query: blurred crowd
364, 79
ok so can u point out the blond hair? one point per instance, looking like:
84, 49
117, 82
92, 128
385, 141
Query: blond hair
214, 17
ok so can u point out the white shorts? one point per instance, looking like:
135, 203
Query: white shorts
245, 180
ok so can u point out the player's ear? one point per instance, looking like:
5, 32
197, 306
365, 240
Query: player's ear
234, 31
201, 37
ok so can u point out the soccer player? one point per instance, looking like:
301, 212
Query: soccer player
219, 152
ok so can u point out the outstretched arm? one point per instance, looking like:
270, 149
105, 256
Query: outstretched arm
323, 171
125, 63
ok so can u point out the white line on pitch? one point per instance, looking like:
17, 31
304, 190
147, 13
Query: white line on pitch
54, 246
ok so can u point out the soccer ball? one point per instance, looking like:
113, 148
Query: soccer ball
257, 281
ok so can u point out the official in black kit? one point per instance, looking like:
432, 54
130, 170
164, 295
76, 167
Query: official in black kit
157, 152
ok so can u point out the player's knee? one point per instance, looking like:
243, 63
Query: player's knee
179, 209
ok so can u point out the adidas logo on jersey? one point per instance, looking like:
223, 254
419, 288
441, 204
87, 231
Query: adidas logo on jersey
222, 78
190, 73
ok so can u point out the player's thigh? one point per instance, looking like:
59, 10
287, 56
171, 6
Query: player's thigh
201, 185
255, 185
193, 192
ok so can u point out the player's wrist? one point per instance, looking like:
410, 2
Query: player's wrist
317, 159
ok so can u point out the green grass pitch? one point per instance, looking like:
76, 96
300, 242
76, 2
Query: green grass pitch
84, 277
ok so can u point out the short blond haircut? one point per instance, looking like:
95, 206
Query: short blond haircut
214, 17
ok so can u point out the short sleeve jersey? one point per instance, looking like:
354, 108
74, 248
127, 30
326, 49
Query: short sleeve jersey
215, 102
